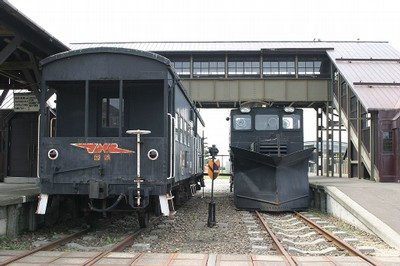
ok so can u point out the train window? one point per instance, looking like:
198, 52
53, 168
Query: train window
176, 122
242, 122
291, 121
267, 122
110, 112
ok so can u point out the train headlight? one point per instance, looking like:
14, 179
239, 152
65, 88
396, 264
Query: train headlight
245, 109
288, 109
152, 154
52, 154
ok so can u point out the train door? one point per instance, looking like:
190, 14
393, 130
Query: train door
108, 113
22, 152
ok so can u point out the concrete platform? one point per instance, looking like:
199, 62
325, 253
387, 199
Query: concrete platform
155, 259
366, 204
18, 203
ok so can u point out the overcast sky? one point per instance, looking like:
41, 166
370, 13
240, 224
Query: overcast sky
216, 20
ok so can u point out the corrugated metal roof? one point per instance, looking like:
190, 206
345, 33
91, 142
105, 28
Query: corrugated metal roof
337, 49
375, 66
370, 71
377, 97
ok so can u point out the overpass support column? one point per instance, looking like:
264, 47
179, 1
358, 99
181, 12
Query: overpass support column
329, 139
319, 143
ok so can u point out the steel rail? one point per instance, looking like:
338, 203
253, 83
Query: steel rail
115, 248
335, 240
120, 246
49, 246
277, 243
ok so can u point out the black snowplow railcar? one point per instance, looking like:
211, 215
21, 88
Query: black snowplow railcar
269, 163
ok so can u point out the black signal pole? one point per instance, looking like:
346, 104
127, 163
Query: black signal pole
211, 206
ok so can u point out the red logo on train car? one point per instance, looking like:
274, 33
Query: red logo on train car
98, 148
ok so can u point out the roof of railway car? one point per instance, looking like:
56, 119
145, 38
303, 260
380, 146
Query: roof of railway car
111, 50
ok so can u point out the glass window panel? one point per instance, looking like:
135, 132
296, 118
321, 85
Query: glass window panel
110, 112
387, 142
242, 122
291, 121
267, 122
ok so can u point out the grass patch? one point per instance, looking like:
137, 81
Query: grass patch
8, 244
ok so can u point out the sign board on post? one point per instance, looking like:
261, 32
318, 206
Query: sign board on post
213, 169
25, 102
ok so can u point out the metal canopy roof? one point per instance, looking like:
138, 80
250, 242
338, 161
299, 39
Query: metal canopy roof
372, 69
34, 38
22, 45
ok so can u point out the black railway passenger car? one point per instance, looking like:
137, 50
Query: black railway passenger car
124, 134
269, 162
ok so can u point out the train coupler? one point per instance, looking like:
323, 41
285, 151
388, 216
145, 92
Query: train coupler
138, 200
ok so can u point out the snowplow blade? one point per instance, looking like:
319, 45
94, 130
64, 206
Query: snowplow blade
271, 183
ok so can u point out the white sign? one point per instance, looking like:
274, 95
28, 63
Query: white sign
25, 102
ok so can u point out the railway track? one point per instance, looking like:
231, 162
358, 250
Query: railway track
47, 247
237, 232
116, 247
298, 226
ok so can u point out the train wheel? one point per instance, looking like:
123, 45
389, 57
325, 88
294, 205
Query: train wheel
143, 218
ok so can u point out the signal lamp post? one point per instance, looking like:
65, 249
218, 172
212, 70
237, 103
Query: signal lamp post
213, 169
